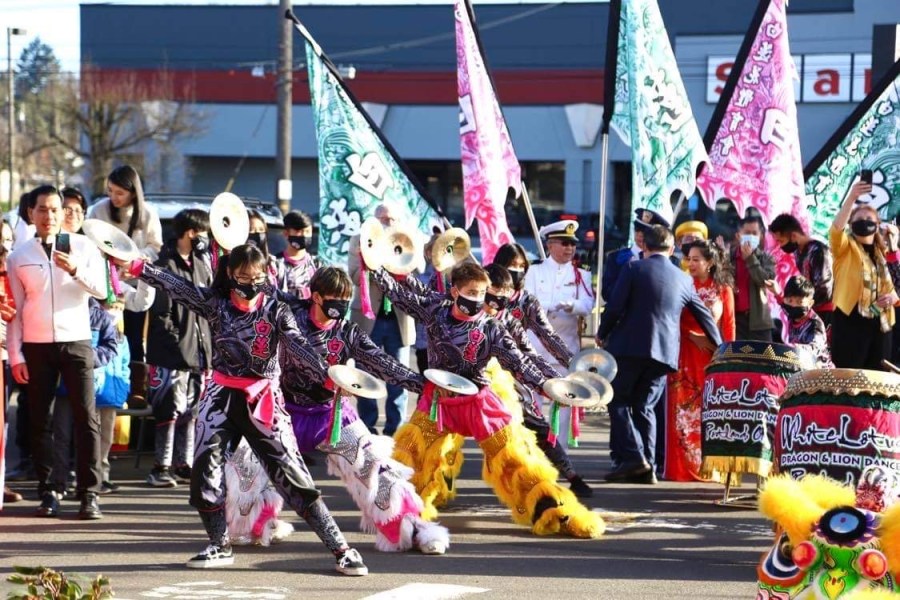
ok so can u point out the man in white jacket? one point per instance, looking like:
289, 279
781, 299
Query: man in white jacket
50, 337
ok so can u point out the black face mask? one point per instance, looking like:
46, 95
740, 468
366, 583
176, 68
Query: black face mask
247, 291
518, 276
469, 307
790, 247
496, 302
864, 227
257, 239
299, 242
794, 313
335, 309
200, 244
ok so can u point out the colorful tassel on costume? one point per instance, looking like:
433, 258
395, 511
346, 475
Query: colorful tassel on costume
114, 278
364, 299
110, 294
336, 418
441, 286
575, 427
388, 307
554, 424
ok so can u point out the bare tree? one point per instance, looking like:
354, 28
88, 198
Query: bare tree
107, 115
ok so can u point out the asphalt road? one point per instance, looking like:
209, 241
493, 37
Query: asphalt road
664, 541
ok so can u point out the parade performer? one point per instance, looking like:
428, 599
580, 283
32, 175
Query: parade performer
243, 400
462, 339
379, 485
298, 265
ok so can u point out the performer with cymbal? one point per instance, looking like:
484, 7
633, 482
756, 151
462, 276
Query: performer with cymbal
462, 339
243, 400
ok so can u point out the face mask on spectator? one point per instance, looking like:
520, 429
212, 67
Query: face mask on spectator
863, 227
753, 240
257, 239
199, 244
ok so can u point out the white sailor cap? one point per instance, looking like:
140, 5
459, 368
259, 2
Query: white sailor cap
564, 229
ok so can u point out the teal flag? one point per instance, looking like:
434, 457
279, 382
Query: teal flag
868, 140
649, 107
358, 169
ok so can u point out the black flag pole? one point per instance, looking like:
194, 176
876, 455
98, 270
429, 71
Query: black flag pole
317, 49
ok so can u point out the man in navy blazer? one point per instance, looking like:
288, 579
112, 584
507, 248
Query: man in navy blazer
641, 328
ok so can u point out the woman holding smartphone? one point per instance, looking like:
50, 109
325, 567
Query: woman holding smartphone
126, 209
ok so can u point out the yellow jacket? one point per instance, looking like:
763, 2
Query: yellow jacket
848, 274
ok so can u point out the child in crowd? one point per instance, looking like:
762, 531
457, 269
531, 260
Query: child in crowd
805, 328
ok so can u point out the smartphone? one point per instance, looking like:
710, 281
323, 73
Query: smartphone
63, 244
866, 176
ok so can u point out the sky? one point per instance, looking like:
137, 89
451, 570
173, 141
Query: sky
56, 22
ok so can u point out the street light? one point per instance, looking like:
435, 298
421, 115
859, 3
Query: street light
10, 32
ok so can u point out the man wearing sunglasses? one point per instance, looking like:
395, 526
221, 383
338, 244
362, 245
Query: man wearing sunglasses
563, 290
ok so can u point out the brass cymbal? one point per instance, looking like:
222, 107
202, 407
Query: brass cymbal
110, 240
568, 392
595, 381
595, 360
228, 221
450, 248
451, 382
404, 250
357, 382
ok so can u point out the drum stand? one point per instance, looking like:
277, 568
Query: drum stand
740, 502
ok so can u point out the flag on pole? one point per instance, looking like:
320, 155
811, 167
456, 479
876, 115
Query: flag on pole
647, 105
753, 140
358, 168
869, 139
489, 163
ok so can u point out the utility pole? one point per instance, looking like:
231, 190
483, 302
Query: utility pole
885, 50
10, 79
285, 80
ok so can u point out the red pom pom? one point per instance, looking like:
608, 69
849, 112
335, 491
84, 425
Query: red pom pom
872, 564
805, 555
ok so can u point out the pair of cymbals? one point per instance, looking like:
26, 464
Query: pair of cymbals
398, 249
110, 240
579, 390
357, 382
450, 248
229, 222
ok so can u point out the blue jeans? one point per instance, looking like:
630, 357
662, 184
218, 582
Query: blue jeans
386, 334
638, 387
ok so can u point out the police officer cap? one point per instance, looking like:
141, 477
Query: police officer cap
647, 218
561, 230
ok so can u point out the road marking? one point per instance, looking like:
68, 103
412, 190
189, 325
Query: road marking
432, 591
207, 590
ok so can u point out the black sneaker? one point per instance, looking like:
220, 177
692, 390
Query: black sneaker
90, 508
213, 557
349, 562
182, 473
161, 478
108, 487
580, 488
49, 505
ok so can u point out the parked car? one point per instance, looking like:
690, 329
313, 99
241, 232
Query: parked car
169, 205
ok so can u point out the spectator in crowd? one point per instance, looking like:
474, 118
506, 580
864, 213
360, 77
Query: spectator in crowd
6, 235
179, 352
126, 209
753, 269
617, 259
46, 281
685, 234
105, 345
813, 258
392, 330
864, 295
24, 229
259, 237
7, 312
641, 329
298, 265
711, 273
74, 209
805, 327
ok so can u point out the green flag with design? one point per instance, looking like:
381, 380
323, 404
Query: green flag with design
868, 140
648, 107
358, 168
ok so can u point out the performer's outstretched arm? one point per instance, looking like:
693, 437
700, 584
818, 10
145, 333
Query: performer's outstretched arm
504, 348
295, 343
181, 290
373, 359
536, 320
401, 294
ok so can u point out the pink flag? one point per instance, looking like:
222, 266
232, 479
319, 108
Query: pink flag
755, 152
489, 163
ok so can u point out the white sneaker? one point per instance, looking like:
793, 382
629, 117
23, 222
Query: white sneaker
213, 557
433, 547
350, 562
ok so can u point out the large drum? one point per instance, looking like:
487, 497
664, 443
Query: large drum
740, 404
837, 422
